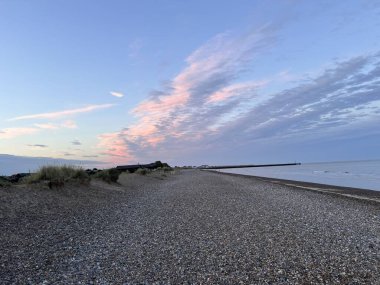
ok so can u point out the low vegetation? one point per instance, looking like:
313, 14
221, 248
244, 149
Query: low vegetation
4, 182
143, 171
108, 175
57, 176
167, 169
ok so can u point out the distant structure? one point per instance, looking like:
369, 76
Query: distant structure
134, 167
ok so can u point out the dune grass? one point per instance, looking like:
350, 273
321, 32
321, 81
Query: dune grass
57, 176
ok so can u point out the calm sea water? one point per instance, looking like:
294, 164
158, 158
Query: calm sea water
358, 174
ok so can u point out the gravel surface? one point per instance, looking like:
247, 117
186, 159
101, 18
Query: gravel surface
190, 228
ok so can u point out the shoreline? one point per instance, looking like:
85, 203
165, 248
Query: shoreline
367, 195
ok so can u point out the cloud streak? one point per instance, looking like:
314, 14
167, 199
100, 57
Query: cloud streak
64, 113
117, 94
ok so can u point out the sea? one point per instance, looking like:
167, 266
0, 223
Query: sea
357, 174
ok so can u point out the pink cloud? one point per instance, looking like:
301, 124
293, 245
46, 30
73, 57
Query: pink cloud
113, 146
162, 104
162, 108
153, 111
154, 140
235, 90
182, 111
10, 133
143, 129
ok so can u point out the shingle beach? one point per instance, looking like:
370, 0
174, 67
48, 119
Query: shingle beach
193, 227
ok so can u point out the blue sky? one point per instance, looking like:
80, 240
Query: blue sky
190, 82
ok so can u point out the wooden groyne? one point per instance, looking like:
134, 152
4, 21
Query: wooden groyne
248, 165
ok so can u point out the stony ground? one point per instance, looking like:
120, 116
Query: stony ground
190, 228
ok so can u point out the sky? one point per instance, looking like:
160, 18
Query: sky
189, 82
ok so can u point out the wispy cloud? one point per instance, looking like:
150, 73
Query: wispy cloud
64, 113
117, 94
47, 126
9, 133
38, 146
68, 124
